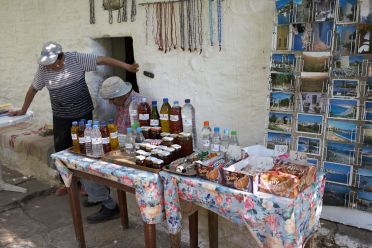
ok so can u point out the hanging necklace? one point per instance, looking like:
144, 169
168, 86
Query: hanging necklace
189, 25
165, 27
147, 24
110, 13
182, 24
211, 22
200, 24
133, 11
91, 8
173, 27
124, 18
194, 23
219, 13
118, 19
160, 25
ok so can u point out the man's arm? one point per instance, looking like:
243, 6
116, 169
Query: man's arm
103, 60
28, 99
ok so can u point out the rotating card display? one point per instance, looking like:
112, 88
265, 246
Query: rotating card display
320, 99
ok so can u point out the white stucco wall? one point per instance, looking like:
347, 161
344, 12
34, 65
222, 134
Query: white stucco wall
228, 88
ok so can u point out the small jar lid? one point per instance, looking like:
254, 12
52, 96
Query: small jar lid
164, 154
140, 157
168, 139
158, 161
170, 149
177, 147
140, 152
164, 134
149, 158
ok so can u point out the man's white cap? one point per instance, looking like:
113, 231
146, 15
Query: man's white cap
114, 87
49, 53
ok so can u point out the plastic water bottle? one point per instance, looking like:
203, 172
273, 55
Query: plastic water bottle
216, 140
97, 149
234, 138
133, 110
225, 140
206, 137
188, 119
88, 139
129, 142
139, 136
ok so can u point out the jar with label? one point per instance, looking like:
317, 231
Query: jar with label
172, 152
168, 141
150, 147
165, 156
114, 140
164, 134
146, 132
177, 148
155, 152
143, 146
175, 118
175, 138
148, 162
74, 136
105, 137
155, 132
144, 111
186, 144
140, 160
157, 163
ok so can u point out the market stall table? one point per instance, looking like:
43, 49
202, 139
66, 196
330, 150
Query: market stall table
274, 221
145, 185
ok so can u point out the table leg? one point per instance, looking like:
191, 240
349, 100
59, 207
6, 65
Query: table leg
213, 229
311, 242
150, 235
193, 230
175, 240
122, 198
73, 193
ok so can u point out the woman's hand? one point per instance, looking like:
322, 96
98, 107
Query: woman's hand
17, 112
132, 67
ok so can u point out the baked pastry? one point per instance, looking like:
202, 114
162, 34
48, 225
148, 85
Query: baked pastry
241, 183
213, 174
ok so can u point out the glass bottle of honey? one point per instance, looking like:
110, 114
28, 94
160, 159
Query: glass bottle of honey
105, 137
176, 118
113, 130
144, 111
164, 116
74, 136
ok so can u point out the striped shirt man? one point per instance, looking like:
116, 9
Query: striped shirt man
69, 93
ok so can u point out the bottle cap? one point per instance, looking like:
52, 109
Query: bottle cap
88, 125
165, 100
233, 132
206, 123
74, 123
96, 123
217, 129
103, 123
89, 121
95, 126
175, 102
111, 121
226, 131
82, 120
139, 129
154, 103
187, 101
129, 130
143, 99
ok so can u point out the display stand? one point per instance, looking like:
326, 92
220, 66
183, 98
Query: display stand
8, 121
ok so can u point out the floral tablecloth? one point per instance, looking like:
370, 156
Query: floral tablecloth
275, 221
147, 185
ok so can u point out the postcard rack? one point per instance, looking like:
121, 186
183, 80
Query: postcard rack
320, 92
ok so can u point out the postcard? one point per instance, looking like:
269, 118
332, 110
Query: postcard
315, 61
309, 123
343, 108
348, 66
283, 62
364, 179
324, 10
274, 139
340, 152
366, 160
368, 88
365, 7
336, 195
345, 41
281, 101
367, 111
345, 88
338, 173
341, 131
282, 37
364, 200
301, 36
347, 11
281, 122
322, 36
308, 145
282, 81
363, 38
284, 9
314, 82
312, 102
367, 134
303, 11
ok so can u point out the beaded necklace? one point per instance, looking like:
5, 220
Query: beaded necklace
182, 24
200, 24
189, 25
211, 22
219, 11
147, 24
165, 27
92, 17
124, 18
173, 27
133, 11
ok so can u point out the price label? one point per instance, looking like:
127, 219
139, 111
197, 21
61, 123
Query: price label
298, 156
82, 140
74, 136
133, 112
164, 117
174, 118
105, 140
96, 141
88, 139
206, 143
144, 117
281, 149
114, 135
187, 122
154, 123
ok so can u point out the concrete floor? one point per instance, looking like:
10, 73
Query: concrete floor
39, 219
